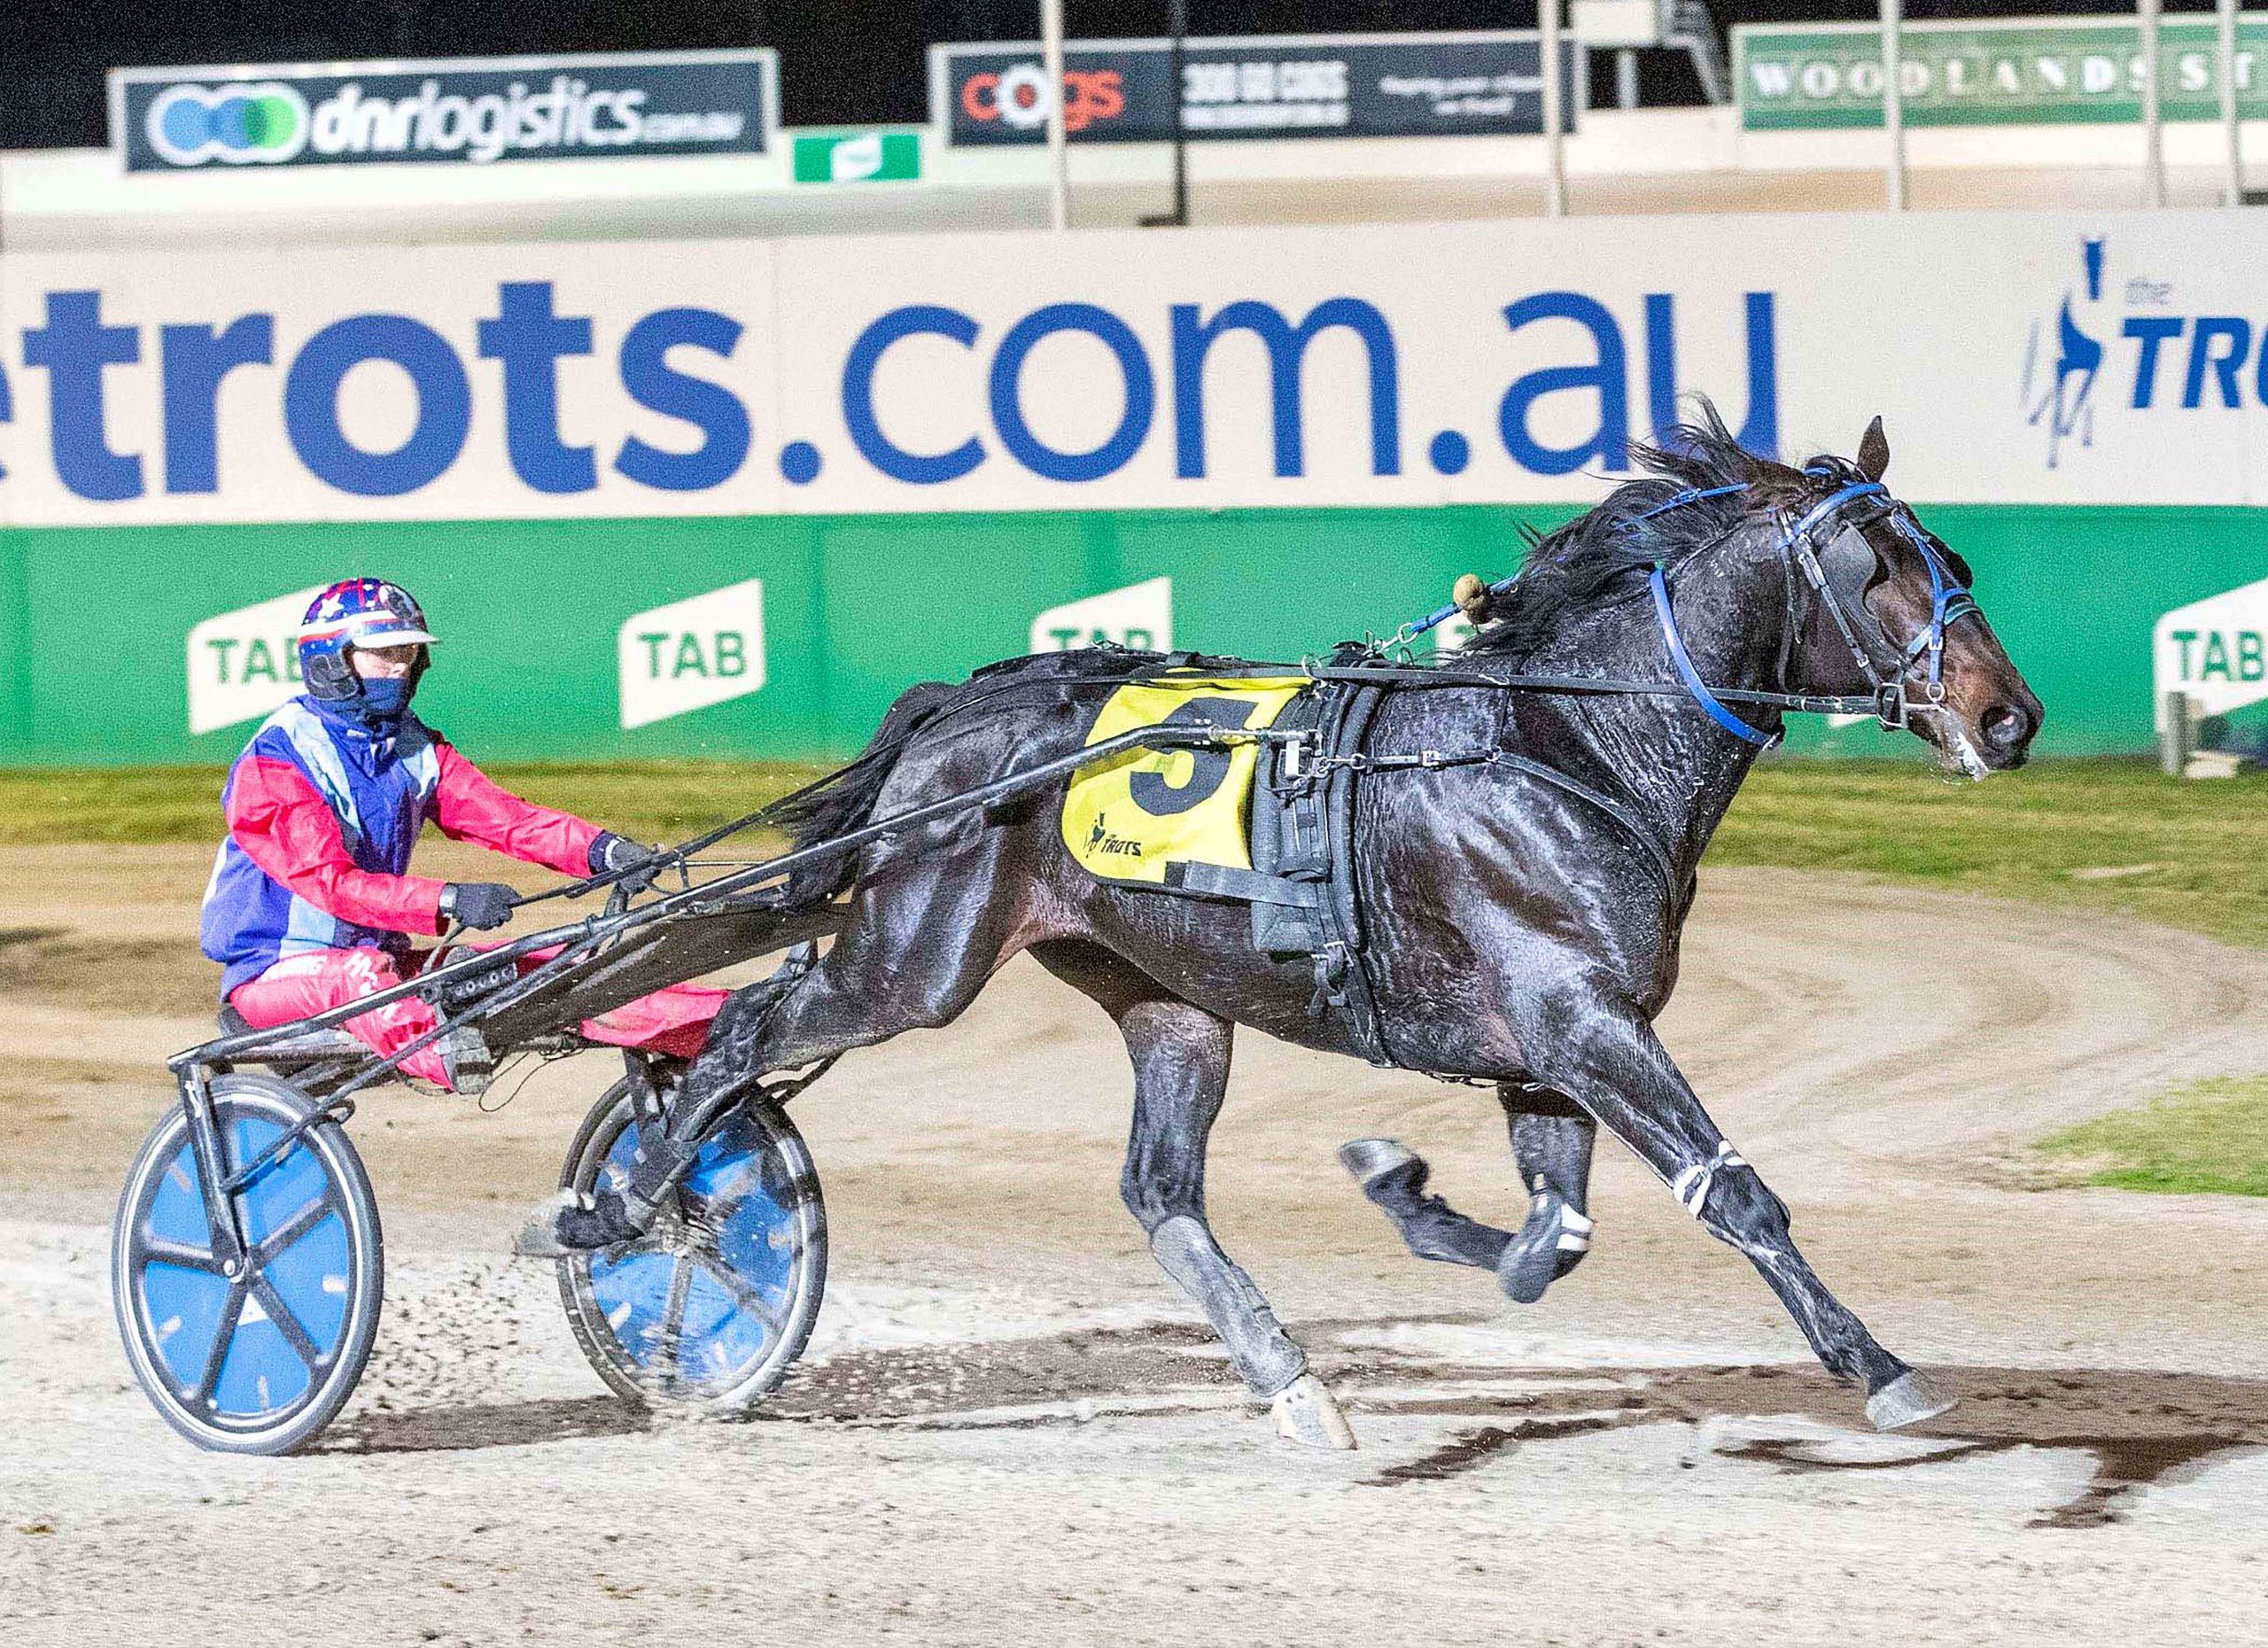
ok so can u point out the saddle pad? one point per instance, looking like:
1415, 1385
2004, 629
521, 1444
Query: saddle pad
1130, 817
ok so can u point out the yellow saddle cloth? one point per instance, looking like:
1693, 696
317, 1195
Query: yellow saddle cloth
1128, 816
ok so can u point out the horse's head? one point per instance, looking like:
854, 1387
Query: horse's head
1884, 607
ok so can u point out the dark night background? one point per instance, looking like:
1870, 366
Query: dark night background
841, 63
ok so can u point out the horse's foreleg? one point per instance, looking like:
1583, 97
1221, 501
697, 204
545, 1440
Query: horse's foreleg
1608, 1059
1181, 1070
1551, 1146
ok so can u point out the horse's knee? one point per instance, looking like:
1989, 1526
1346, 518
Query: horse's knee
1152, 1200
1737, 1207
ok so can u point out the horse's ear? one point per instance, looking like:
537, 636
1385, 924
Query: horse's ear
1873, 451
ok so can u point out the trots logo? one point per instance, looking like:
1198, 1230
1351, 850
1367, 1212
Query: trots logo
2126, 337
2059, 383
253, 123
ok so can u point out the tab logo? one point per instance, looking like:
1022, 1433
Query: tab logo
1139, 615
2215, 650
861, 158
691, 654
245, 664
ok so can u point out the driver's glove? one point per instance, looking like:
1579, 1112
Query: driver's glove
481, 904
611, 852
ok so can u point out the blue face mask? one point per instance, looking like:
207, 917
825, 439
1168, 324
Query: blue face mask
382, 701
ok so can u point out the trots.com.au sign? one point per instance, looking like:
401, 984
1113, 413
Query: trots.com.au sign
2096, 358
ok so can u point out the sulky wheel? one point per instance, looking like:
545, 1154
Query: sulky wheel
256, 1356
712, 1308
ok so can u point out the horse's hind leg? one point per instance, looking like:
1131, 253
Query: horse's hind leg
1181, 1072
1551, 1146
1607, 1058
923, 939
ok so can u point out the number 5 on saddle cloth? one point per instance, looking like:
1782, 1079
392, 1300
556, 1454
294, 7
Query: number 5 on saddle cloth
1195, 822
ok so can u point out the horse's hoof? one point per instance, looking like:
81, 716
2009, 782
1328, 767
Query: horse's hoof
1551, 1243
1914, 1396
1372, 1159
1307, 1413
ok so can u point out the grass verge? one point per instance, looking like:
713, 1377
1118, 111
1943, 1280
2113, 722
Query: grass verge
2100, 834
2208, 1136
654, 800
2105, 833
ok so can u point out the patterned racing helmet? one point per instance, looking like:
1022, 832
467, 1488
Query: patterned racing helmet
354, 612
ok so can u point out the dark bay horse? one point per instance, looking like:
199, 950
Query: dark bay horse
1518, 934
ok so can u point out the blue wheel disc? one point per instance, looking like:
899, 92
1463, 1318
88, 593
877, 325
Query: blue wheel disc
240, 1355
699, 1305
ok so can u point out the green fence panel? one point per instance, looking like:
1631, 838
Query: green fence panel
855, 608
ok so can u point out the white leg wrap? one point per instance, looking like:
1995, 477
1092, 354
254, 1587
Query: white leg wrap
1574, 1230
1691, 1187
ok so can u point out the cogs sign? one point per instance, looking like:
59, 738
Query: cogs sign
1279, 86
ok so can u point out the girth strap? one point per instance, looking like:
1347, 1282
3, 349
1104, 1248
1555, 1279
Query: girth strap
1222, 881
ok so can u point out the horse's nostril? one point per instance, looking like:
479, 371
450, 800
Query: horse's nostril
2007, 725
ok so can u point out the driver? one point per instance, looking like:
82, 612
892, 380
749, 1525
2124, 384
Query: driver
311, 904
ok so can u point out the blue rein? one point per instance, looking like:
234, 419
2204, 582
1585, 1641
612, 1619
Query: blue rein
1692, 677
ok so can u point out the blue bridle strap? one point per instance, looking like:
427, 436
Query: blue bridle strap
1683, 663
1833, 501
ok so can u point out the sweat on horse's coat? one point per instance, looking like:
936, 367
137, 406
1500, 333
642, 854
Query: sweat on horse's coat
1517, 933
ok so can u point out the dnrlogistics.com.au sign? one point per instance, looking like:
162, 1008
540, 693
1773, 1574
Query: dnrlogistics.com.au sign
468, 110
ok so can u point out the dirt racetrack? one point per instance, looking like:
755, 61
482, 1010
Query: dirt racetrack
1009, 1429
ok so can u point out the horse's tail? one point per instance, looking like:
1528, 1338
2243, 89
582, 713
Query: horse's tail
844, 799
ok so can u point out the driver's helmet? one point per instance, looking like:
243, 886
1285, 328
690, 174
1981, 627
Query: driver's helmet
354, 612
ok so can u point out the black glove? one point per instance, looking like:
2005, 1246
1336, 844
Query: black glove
481, 905
611, 852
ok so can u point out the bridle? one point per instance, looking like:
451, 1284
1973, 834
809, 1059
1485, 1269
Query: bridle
1949, 600
1807, 546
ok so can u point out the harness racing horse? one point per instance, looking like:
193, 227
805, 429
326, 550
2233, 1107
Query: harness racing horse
1521, 925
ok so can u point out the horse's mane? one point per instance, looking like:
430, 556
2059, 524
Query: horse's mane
1597, 559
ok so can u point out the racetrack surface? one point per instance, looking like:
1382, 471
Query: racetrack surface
1010, 1428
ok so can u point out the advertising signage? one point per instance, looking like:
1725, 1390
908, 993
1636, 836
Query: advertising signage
466, 110
2037, 72
1436, 85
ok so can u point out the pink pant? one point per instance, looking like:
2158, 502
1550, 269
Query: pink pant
671, 1021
